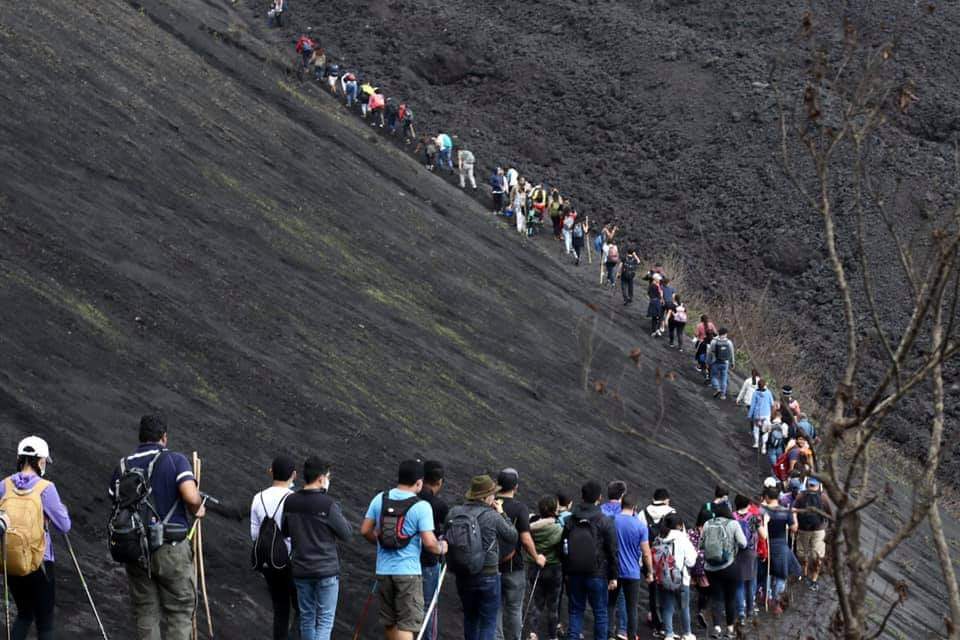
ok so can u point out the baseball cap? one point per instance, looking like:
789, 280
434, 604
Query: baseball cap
771, 482
508, 479
812, 483
34, 446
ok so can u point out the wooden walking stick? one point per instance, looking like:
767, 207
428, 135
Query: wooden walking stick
203, 574
196, 556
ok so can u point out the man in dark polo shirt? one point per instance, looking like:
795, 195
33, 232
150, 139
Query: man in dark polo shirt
513, 579
165, 596
430, 563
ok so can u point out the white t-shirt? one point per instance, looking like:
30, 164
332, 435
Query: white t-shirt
265, 504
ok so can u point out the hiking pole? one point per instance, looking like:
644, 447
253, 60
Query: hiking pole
363, 612
200, 564
533, 590
83, 582
6, 589
206, 498
766, 592
433, 603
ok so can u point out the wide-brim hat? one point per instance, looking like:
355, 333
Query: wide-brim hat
481, 487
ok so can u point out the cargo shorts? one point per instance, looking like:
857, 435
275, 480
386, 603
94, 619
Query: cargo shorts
811, 545
401, 602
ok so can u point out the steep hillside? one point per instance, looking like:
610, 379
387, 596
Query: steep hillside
662, 116
184, 229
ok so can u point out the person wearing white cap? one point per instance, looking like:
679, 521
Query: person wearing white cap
30, 503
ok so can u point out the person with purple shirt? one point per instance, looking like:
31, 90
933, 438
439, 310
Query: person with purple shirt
34, 593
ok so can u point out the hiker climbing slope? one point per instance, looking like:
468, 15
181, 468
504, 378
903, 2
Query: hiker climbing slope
30, 502
162, 583
401, 525
433, 477
315, 523
476, 532
271, 552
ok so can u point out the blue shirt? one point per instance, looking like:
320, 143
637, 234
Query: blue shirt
405, 561
631, 533
170, 470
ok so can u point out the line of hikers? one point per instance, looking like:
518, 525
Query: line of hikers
511, 567
434, 151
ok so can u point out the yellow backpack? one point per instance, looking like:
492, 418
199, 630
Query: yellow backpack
25, 540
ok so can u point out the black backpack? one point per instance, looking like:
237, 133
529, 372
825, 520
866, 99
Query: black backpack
580, 538
808, 520
630, 265
465, 554
721, 351
135, 529
269, 549
393, 515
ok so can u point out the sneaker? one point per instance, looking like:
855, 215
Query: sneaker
814, 585
689, 636
777, 609
763, 450
716, 394
679, 349
755, 445
622, 635
702, 620
723, 397
716, 633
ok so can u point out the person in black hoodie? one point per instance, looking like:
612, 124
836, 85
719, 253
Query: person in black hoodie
314, 522
590, 561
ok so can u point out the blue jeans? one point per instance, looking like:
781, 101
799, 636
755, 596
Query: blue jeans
318, 606
351, 93
445, 157
720, 372
431, 578
480, 598
746, 592
582, 589
668, 602
619, 619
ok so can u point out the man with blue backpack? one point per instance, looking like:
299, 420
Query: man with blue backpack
475, 532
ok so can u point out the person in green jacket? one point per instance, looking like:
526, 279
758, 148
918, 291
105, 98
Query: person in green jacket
545, 583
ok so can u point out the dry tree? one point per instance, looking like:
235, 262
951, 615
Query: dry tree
831, 123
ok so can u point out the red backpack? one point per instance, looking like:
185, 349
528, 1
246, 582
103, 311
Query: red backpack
613, 254
781, 468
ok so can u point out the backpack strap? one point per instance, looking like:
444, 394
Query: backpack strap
279, 505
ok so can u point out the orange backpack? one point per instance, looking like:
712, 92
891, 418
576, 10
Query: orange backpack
25, 541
